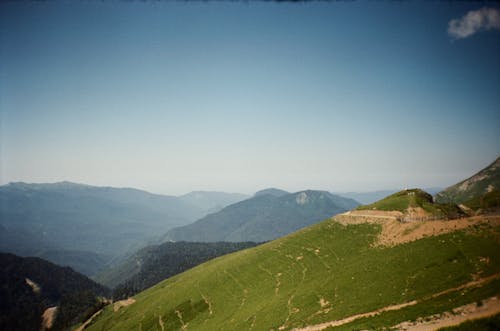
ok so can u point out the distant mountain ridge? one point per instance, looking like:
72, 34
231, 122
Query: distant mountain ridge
271, 191
212, 201
60, 221
263, 217
485, 181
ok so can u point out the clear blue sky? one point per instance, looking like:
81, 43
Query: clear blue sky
175, 96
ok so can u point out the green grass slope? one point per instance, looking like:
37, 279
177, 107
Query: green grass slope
414, 198
325, 272
153, 264
486, 180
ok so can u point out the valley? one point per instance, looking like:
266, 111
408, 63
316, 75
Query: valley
91, 228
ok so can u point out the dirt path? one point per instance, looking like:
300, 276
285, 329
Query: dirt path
488, 307
48, 318
363, 216
352, 318
160, 321
87, 322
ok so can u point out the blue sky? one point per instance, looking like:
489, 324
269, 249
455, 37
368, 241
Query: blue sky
176, 96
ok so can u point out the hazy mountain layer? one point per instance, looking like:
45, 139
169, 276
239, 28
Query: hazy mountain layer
263, 217
211, 202
62, 220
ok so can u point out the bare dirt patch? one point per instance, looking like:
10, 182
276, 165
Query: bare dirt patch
122, 303
34, 286
395, 232
48, 318
323, 303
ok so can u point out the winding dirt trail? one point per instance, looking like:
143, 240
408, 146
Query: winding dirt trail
87, 322
489, 307
352, 318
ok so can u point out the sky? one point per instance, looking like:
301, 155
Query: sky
172, 97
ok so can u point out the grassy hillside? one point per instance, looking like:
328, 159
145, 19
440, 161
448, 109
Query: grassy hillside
414, 198
264, 217
485, 181
325, 272
153, 264
366, 198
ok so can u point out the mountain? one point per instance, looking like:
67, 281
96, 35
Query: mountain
211, 202
32, 285
153, 264
263, 217
271, 191
376, 274
484, 204
414, 204
483, 182
61, 220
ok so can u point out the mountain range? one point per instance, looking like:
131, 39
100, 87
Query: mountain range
406, 259
86, 226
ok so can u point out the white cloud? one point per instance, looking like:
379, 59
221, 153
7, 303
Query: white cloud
474, 21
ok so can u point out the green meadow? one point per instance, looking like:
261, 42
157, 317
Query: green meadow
322, 273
